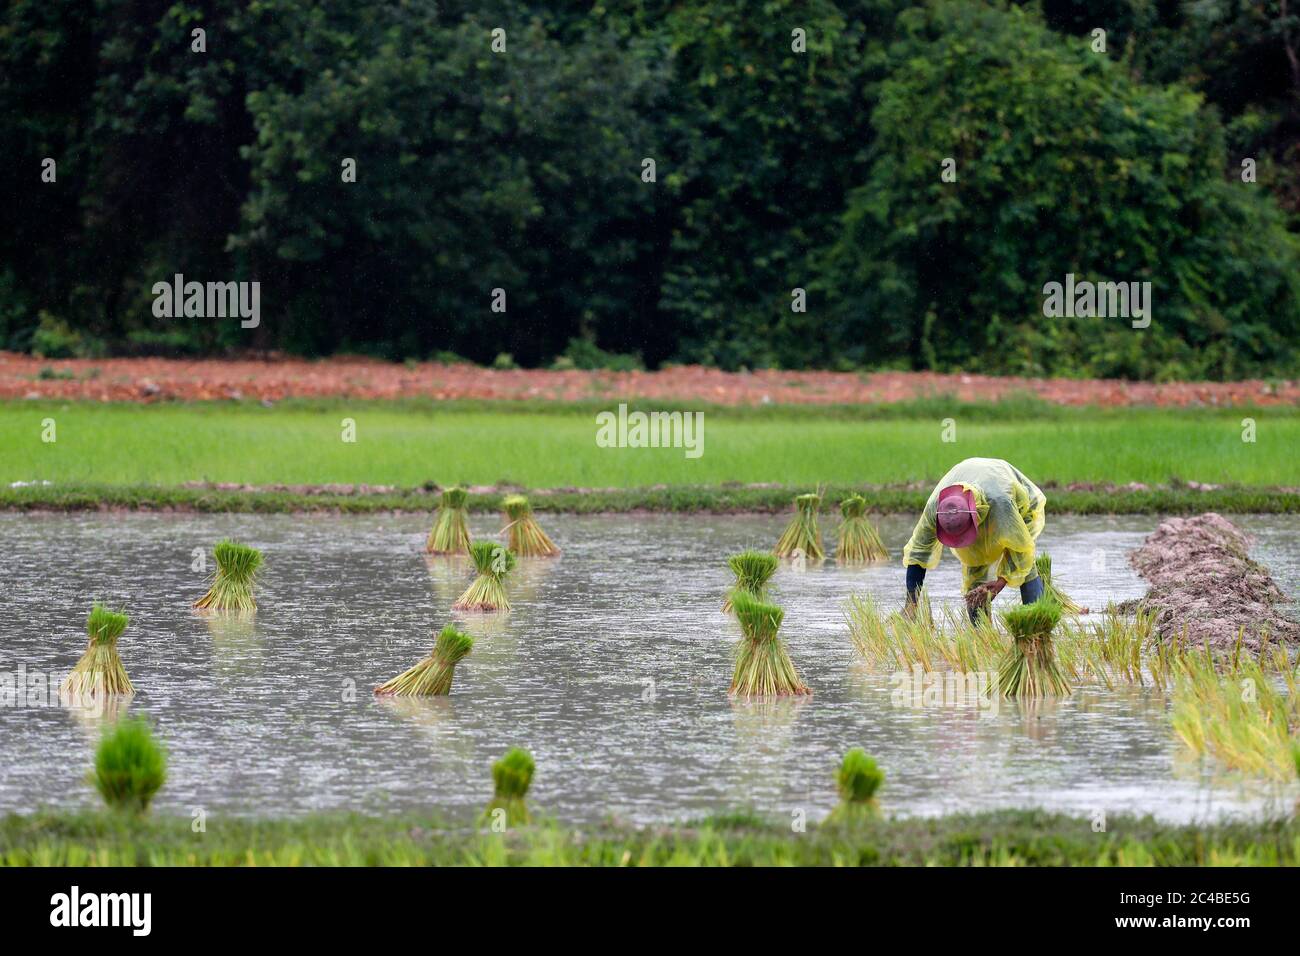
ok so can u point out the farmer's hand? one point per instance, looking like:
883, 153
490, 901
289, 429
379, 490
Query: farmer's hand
980, 595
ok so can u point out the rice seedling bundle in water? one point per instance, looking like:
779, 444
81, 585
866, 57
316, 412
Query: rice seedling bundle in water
526, 537
232, 586
130, 766
1050, 591
432, 676
1029, 668
858, 541
753, 569
857, 779
493, 562
450, 534
100, 669
512, 775
763, 667
802, 534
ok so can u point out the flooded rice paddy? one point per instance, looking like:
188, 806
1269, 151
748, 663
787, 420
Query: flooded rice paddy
612, 669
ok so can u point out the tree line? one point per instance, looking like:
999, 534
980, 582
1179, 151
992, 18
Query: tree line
784, 183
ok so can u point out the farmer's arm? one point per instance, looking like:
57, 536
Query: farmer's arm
1018, 528
922, 552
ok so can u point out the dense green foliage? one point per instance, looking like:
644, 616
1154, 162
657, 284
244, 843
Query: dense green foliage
1005, 838
775, 170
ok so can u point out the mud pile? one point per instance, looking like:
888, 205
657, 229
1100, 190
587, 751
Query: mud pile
1205, 588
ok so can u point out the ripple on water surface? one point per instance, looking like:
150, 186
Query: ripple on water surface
612, 669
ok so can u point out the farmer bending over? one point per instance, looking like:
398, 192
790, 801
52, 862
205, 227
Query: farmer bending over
987, 512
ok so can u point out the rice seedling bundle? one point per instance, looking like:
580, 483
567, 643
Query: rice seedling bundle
100, 669
763, 667
232, 586
432, 676
857, 779
525, 536
1050, 591
450, 533
1029, 668
753, 569
802, 534
512, 775
858, 541
130, 766
493, 562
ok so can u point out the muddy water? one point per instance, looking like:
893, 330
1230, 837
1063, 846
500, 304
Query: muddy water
612, 669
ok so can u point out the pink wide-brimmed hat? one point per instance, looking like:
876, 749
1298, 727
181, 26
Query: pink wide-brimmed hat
957, 522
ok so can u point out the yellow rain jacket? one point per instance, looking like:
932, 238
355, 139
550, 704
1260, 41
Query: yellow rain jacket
1012, 512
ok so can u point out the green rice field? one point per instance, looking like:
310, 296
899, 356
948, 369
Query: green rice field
548, 446
1006, 838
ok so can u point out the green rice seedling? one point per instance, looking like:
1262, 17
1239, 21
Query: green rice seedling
100, 669
753, 569
896, 641
524, 535
232, 585
857, 779
858, 541
1050, 591
432, 676
763, 667
130, 766
1246, 719
492, 562
1029, 668
512, 775
1113, 648
972, 646
869, 631
802, 535
450, 533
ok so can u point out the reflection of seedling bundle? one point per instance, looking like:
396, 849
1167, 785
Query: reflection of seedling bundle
511, 777
763, 667
858, 778
1029, 668
493, 562
450, 534
100, 669
753, 569
431, 677
130, 766
1050, 591
232, 587
858, 539
526, 537
802, 533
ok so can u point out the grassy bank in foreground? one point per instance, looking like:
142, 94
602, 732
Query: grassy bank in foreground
1005, 838
688, 498
406, 444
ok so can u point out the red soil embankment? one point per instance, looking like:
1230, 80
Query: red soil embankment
275, 378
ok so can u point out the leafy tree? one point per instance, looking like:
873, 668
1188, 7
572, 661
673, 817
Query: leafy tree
1064, 164
475, 171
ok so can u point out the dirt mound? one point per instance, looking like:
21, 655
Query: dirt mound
1204, 585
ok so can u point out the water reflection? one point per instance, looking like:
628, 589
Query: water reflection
612, 667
